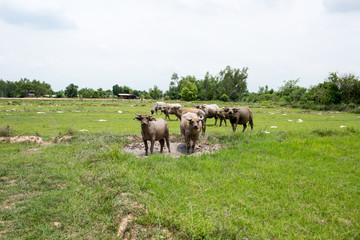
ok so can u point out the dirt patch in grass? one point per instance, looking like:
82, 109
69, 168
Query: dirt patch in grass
35, 139
177, 147
129, 228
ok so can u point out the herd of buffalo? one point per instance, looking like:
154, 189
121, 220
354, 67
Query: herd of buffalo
192, 122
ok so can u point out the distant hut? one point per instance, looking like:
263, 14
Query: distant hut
126, 96
29, 93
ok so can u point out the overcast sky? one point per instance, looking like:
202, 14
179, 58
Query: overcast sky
141, 43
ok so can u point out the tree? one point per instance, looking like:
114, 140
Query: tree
323, 93
174, 91
25, 86
116, 89
155, 93
208, 87
41, 89
3, 87
265, 89
86, 92
109, 93
71, 91
291, 92
60, 94
334, 90
7, 89
175, 77
95, 94
348, 87
101, 93
126, 89
233, 82
189, 92
288, 87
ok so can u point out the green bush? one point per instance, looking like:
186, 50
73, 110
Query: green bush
6, 131
224, 98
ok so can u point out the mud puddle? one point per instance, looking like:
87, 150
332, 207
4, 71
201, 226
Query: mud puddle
177, 147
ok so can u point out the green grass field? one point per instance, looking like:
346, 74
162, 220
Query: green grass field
288, 179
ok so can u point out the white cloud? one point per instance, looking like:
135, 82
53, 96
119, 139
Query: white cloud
342, 6
38, 14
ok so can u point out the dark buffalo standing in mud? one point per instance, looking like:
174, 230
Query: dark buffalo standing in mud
153, 130
179, 111
190, 127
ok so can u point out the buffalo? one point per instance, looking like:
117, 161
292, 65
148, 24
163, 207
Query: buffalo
222, 115
165, 109
157, 106
191, 124
153, 130
210, 111
242, 115
178, 111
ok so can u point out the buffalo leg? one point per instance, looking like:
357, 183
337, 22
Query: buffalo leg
152, 146
244, 126
187, 143
168, 143
234, 125
251, 124
193, 146
203, 126
161, 144
146, 147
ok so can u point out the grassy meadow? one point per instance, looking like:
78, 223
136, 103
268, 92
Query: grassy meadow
296, 176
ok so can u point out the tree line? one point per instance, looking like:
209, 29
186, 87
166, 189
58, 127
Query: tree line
337, 92
229, 84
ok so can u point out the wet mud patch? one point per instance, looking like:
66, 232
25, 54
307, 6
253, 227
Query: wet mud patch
177, 147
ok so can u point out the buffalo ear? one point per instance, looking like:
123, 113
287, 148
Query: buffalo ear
137, 118
152, 119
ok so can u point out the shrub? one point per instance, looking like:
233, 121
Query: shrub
224, 98
6, 131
